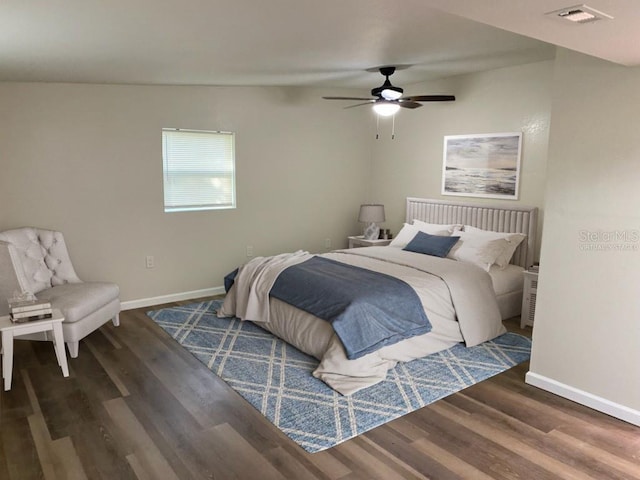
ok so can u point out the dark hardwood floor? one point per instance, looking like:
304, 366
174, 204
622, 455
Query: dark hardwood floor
136, 405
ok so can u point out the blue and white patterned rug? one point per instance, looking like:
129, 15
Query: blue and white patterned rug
276, 378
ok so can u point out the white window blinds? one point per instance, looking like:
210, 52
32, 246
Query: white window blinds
199, 170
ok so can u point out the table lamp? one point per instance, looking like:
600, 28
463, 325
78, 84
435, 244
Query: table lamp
371, 214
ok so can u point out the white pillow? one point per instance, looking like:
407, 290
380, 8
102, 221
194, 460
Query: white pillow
406, 234
477, 249
512, 239
436, 228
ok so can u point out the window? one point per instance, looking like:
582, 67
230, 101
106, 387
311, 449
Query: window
199, 170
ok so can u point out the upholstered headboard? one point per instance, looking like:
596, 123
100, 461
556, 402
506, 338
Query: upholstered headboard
498, 218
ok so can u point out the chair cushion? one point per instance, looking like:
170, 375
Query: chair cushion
77, 300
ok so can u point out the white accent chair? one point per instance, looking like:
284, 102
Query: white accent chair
37, 261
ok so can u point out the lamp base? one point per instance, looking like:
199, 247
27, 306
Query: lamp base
371, 232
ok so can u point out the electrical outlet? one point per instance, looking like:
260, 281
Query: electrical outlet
249, 251
327, 243
150, 261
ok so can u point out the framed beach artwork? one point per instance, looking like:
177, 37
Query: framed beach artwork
482, 165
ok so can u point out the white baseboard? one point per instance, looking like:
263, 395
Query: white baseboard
584, 398
174, 297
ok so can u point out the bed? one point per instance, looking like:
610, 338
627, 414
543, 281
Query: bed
465, 299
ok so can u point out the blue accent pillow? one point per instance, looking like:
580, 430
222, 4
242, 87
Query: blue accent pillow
436, 245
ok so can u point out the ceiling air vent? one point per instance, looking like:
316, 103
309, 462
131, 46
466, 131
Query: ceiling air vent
580, 14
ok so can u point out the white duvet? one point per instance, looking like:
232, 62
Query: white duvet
458, 299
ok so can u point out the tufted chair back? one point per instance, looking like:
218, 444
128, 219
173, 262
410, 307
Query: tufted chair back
43, 258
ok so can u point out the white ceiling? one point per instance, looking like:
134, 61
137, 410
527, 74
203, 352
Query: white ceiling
328, 43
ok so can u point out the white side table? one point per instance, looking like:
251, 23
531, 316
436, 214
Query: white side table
9, 330
529, 298
359, 241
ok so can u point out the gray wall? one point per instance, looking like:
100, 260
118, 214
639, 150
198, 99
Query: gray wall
587, 325
87, 160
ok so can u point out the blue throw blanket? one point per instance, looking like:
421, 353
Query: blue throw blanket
367, 309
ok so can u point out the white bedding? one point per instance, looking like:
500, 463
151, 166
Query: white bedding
507, 280
508, 284
316, 337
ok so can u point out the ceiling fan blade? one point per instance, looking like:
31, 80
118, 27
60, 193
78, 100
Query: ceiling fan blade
409, 104
430, 98
349, 98
360, 104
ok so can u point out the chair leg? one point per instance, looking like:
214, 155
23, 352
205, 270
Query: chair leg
73, 349
116, 320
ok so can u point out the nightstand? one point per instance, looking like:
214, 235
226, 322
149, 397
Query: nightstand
529, 298
359, 241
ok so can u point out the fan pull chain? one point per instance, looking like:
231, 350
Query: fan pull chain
393, 127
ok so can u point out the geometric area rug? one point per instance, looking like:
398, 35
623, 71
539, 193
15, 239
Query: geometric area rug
276, 378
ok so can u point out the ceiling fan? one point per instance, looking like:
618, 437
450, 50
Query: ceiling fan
388, 98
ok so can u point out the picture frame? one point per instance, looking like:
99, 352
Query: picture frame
482, 165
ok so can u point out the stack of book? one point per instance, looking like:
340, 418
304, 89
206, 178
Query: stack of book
29, 310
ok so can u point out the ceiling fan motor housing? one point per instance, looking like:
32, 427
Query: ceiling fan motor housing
387, 90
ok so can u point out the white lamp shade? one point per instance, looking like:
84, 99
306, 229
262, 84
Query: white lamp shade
386, 109
371, 213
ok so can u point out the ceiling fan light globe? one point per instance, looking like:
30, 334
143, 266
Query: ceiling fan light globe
386, 109
393, 93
